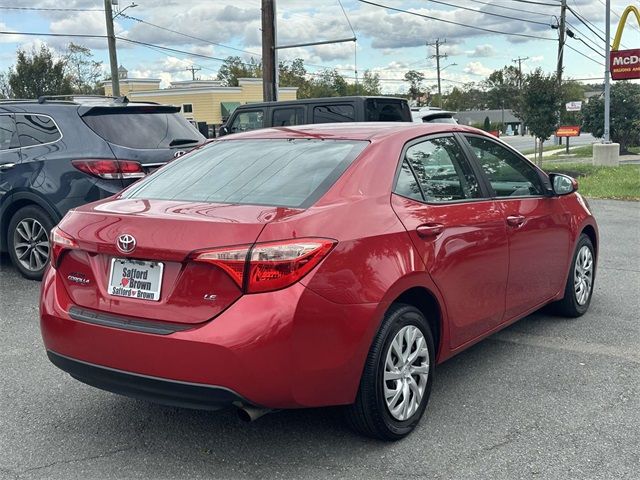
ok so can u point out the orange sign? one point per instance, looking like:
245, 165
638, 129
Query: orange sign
624, 64
568, 131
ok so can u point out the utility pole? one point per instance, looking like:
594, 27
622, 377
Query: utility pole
437, 56
193, 71
519, 61
269, 57
111, 42
607, 74
561, 38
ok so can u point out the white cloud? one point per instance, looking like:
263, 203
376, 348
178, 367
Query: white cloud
477, 68
485, 50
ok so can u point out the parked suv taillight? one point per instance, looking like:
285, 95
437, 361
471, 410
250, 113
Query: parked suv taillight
109, 168
60, 241
269, 266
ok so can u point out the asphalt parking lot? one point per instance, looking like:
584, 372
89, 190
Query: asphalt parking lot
546, 398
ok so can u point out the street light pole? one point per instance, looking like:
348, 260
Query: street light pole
111, 42
607, 86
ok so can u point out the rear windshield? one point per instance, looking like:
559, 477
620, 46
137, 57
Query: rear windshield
380, 110
288, 173
144, 129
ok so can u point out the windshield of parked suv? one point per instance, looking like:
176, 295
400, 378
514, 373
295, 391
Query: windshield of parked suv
276, 172
143, 129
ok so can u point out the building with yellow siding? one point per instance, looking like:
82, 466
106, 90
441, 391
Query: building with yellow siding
199, 100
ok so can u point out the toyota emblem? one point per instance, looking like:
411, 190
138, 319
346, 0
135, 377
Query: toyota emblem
179, 153
126, 243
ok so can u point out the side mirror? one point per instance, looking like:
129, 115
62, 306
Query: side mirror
563, 184
224, 130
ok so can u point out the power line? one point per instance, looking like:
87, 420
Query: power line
253, 54
38, 34
587, 24
537, 3
519, 10
54, 9
488, 13
454, 23
584, 55
139, 20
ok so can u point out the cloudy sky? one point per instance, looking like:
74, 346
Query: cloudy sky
389, 42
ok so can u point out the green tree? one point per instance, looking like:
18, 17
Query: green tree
369, 85
415, 80
467, 97
234, 68
625, 115
5, 88
38, 73
539, 104
503, 87
83, 71
572, 91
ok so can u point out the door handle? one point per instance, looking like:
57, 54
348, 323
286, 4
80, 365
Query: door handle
429, 230
515, 220
6, 166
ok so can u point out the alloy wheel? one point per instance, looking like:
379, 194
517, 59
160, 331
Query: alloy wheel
31, 244
406, 372
583, 275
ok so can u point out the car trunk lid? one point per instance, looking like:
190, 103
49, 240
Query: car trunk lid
165, 234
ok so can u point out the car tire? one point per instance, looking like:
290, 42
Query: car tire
371, 414
576, 302
28, 241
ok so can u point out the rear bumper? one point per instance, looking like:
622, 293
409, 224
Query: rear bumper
157, 390
286, 349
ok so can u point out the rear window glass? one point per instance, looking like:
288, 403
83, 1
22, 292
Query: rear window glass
289, 173
36, 130
144, 129
333, 114
386, 111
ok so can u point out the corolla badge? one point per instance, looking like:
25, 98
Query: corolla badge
126, 243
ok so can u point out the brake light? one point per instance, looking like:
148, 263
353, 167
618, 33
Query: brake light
109, 168
268, 266
60, 241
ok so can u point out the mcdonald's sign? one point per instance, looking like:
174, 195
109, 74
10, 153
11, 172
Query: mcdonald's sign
625, 64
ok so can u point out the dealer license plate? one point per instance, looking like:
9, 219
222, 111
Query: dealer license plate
135, 279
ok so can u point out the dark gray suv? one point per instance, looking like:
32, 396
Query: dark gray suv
58, 154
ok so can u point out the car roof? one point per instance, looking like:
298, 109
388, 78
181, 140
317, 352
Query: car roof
353, 131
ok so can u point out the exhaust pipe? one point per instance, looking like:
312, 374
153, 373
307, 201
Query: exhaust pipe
249, 413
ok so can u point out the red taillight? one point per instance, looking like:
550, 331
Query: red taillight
60, 241
110, 169
268, 266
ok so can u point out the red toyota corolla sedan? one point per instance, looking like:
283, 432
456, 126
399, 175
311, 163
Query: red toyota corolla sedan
311, 266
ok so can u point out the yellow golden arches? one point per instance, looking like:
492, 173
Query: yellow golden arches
623, 21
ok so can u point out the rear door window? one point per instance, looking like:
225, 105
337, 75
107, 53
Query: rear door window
333, 113
248, 120
283, 117
144, 130
36, 130
8, 133
442, 171
277, 172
